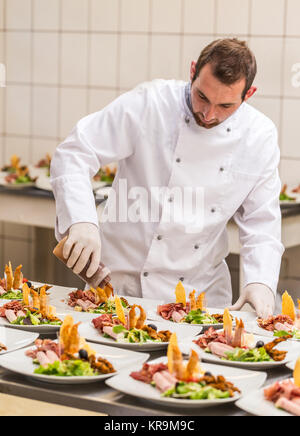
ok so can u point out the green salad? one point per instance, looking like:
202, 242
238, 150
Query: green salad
67, 368
23, 179
252, 355
195, 391
109, 307
35, 318
133, 336
281, 334
13, 295
199, 317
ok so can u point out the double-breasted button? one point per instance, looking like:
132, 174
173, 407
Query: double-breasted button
213, 210
187, 120
222, 169
181, 279
159, 237
178, 160
146, 274
228, 129
196, 247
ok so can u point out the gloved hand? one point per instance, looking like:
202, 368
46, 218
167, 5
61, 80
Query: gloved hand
83, 244
260, 297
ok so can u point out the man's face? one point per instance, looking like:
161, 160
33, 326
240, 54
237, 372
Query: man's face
212, 101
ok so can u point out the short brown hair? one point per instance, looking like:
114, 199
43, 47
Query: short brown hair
231, 61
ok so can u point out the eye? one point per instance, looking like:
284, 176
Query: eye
225, 106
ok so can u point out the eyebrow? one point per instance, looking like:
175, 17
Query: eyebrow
220, 104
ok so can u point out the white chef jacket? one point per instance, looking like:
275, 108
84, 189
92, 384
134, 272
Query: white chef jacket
151, 132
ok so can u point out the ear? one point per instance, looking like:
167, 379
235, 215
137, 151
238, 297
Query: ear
193, 70
250, 93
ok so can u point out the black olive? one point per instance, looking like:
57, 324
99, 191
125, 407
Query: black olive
208, 374
260, 344
153, 326
83, 355
29, 284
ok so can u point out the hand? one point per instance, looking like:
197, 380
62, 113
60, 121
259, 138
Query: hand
83, 244
260, 297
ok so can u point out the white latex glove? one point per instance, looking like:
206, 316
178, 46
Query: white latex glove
82, 245
260, 297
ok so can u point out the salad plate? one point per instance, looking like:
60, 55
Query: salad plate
13, 340
183, 332
19, 363
241, 378
253, 362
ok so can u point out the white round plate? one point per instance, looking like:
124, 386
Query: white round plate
19, 363
256, 404
242, 379
254, 328
43, 329
88, 331
43, 182
291, 347
13, 340
245, 316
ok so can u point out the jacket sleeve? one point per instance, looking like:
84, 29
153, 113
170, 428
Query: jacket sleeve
259, 222
101, 138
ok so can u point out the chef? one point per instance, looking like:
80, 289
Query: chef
172, 135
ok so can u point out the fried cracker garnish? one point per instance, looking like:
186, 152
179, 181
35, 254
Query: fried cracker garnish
288, 306
180, 294
18, 277
201, 302
9, 277
26, 293
297, 374
36, 300
135, 322
192, 298
120, 310
227, 325
15, 161
175, 360
109, 290
193, 367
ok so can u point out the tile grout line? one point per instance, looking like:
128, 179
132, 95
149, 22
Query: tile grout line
282, 78
88, 58
59, 71
31, 103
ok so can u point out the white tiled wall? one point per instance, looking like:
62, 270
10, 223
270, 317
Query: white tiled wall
67, 58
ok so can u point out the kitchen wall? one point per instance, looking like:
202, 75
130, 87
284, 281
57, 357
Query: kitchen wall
67, 58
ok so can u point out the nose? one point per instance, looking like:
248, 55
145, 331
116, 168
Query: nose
209, 114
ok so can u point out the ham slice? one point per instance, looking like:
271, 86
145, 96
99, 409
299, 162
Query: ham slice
53, 357
177, 316
219, 349
164, 381
109, 331
283, 327
10, 315
290, 406
42, 358
2, 291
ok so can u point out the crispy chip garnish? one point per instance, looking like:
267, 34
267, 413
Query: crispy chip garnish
120, 310
201, 302
26, 293
180, 294
108, 289
101, 295
227, 325
9, 277
36, 300
15, 161
297, 373
65, 330
193, 367
18, 277
192, 298
175, 360
288, 306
